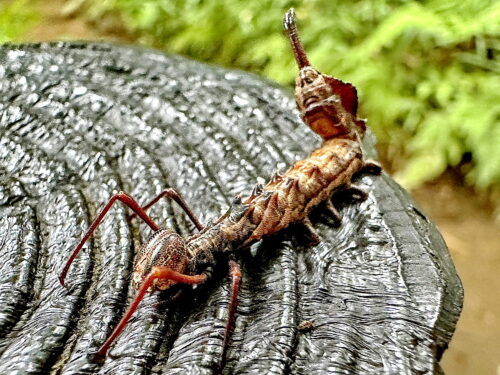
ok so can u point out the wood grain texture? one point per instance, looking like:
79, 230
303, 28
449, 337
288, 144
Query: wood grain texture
81, 121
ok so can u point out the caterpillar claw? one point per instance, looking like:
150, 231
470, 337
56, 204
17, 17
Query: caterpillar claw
356, 192
371, 167
310, 236
333, 213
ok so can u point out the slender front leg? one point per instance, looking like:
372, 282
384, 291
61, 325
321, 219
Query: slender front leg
235, 274
172, 194
157, 273
122, 197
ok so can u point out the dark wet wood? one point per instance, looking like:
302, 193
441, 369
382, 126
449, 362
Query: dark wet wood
79, 122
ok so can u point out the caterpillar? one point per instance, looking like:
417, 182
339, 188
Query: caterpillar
329, 107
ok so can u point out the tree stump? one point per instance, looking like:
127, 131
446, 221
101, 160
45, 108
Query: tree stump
79, 121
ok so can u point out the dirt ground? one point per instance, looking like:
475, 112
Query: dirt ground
465, 223
474, 243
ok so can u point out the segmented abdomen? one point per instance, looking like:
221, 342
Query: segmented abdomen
290, 198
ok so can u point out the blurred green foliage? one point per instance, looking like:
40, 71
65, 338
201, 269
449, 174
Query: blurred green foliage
427, 71
15, 18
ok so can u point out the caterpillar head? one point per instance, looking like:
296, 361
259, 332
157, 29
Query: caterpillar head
328, 105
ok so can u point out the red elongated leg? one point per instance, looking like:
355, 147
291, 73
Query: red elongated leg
235, 274
122, 197
172, 194
163, 273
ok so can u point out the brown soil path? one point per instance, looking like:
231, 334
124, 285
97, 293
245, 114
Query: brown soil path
474, 242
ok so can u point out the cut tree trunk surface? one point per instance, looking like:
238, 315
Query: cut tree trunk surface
80, 121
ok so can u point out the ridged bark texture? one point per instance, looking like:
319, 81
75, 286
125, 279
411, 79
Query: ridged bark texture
81, 121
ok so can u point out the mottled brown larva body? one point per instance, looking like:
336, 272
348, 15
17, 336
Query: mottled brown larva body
284, 200
304, 186
329, 107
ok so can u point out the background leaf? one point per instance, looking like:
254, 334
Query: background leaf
427, 71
